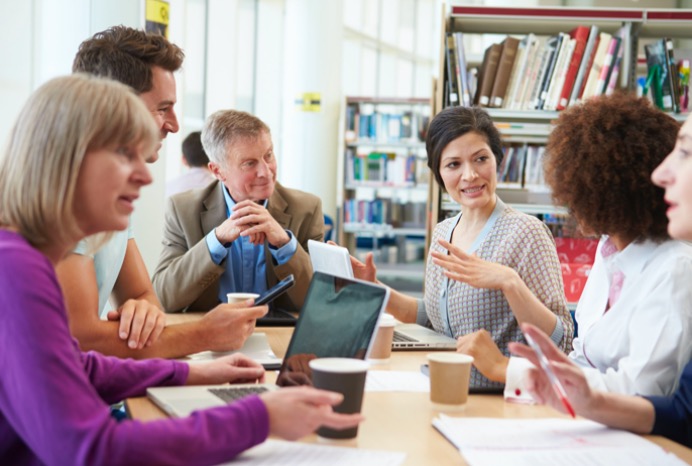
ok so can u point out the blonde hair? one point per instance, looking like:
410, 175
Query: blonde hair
63, 120
223, 128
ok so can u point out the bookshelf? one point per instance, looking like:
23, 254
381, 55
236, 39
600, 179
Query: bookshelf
383, 181
465, 56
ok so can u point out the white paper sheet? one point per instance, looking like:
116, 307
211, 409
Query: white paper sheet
536, 442
256, 347
279, 452
396, 381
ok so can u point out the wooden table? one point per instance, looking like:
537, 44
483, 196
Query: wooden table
402, 421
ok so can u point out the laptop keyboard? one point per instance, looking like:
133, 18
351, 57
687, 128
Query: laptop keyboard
402, 338
232, 394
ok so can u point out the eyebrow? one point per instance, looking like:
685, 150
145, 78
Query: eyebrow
472, 155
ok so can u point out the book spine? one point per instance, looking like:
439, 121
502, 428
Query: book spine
504, 69
552, 47
518, 70
462, 76
673, 78
596, 66
489, 70
607, 68
453, 95
581, 36
584, 66
558, 80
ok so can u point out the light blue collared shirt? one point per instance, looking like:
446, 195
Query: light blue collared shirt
246, 268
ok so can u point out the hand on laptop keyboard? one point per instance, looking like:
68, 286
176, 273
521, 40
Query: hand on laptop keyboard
235, 368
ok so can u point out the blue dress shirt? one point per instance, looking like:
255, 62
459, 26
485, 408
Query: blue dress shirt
246, 268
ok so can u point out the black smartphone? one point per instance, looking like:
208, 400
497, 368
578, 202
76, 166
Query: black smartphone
275, 291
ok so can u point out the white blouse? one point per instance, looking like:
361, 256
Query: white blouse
642, 343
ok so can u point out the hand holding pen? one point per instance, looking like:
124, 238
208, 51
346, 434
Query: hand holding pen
555, 380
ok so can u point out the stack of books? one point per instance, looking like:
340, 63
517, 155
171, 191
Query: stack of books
540, 73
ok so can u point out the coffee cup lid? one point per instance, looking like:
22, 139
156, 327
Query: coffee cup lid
387, 320
450, 357
341, 365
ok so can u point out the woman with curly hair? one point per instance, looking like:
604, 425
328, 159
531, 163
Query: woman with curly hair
635, 313
657, 415
464, 150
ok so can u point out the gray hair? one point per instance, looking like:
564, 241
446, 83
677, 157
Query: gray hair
223, 128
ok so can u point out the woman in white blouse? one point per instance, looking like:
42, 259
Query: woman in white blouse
635, 313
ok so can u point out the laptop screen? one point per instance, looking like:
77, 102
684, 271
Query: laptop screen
338, 319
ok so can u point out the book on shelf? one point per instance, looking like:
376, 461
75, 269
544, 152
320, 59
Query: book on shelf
486, 76
580, 35
518, 70
585, 65
608, 63
382, 125
406, 130
533, 168
384, 213
597, 64
684, 74
673, 74
533, 64
542, 70
453, 90
513, 169
462, 76
617, 69
554, 45
658, 79
383, 168
504, 69
560, 73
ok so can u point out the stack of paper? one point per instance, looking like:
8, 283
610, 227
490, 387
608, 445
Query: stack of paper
535, 442
281, 453
396, 381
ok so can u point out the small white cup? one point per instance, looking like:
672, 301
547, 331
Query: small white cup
382, 346
240, 297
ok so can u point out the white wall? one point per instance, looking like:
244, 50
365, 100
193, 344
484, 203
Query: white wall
38, 41
312, 63
16, 74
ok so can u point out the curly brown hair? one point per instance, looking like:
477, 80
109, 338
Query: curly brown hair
598, 162
127, 55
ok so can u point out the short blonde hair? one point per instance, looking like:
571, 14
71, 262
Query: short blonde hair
63, 120
223, 128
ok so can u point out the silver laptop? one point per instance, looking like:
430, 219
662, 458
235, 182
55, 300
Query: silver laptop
330, 259
335, 260
338, 319
414, 336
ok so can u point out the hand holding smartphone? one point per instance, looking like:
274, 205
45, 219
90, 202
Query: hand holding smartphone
275, 291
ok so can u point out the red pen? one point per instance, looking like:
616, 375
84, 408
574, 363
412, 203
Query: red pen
554, 381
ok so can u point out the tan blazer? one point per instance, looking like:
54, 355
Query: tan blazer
186, 278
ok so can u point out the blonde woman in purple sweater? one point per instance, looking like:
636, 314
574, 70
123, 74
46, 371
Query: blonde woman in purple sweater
73, 168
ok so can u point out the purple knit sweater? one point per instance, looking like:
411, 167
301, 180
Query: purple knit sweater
54, 398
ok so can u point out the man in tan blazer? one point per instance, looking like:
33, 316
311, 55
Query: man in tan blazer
243, 233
